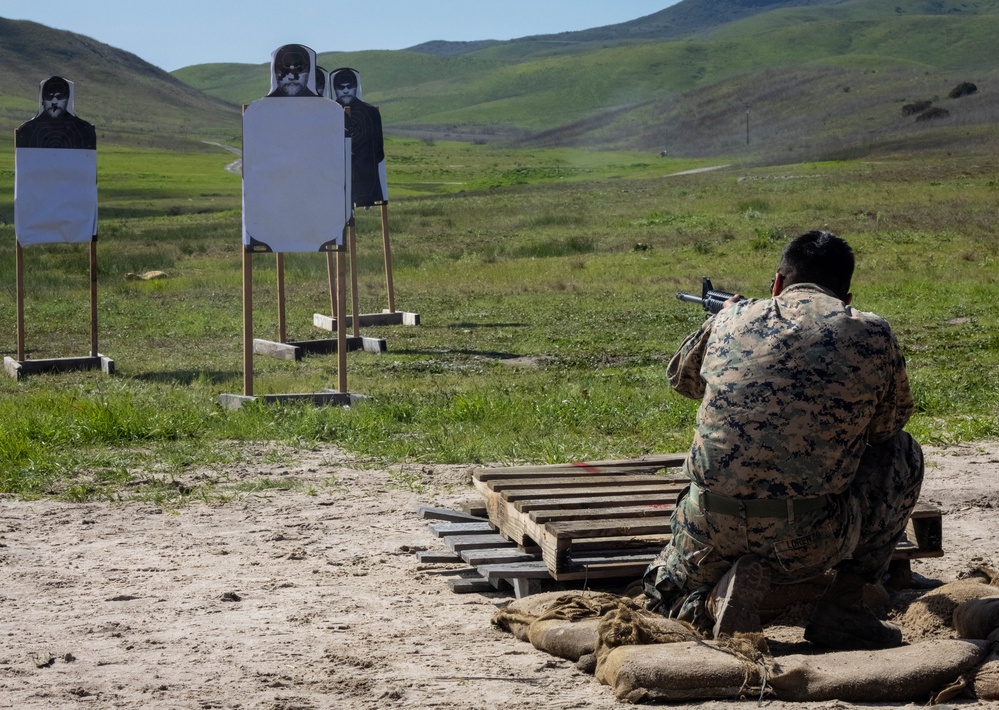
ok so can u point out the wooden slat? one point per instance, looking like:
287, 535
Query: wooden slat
449, 529
493, 556
470, 585
665, 497
515, 570
607, 528
458, 543
437, 557
559, 482
622, 545
561, 515
649, 462
489, 476
427, 512
588, 492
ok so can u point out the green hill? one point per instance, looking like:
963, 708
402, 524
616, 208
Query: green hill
815, 75
127, 99
765, 80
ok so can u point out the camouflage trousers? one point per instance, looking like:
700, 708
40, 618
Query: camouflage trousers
855, 532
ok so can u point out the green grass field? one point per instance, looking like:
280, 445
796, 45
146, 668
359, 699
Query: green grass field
545, 282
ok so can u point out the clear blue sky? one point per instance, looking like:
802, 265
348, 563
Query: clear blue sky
177, 33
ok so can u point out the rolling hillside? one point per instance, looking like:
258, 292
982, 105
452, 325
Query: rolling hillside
764, 80
816, 77
127, 99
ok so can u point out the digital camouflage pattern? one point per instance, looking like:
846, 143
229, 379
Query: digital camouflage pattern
801, 396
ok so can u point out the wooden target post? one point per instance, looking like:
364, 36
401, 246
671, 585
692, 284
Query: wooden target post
55, 200
369, 188
338, 396
284, 349
314, 185
389, 316
22, 366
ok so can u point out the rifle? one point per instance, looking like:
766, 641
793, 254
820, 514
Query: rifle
710, 299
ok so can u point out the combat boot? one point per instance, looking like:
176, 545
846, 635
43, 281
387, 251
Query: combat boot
735, 600
841, 621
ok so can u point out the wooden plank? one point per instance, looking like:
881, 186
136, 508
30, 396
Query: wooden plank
561, 515
515, 474
515, 570
427, 512
437, 557
18, 369
616, 556
623, 489
476, 542
367, 319
492, 556
477, 509
653, 461
449, 529
925, 510
329, 397
295, 351
623, 545
665, 497
465, 585
553, 483
609, 570
600, 528
280, 351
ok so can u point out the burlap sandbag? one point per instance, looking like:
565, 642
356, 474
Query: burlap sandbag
905, 674
932, 614
565, 639
555, 614
517, 616
566, 624
688, 670
984, 682
978, 618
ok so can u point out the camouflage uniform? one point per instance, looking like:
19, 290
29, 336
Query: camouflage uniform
798, 456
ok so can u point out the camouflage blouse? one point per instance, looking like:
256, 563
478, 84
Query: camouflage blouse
792, 389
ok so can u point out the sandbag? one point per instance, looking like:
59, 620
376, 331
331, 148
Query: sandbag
904, 674
630, 625
517, 616
932, 614
565, 639
978, 618
688, 670
983, 683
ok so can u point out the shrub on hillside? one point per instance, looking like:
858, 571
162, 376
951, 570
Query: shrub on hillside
916, 107
965, 88
932, 114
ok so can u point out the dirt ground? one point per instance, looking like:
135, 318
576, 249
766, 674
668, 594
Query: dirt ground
313, 598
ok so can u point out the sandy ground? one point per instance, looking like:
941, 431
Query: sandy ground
311, 598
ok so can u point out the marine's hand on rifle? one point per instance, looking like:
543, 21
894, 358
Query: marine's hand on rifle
734, 299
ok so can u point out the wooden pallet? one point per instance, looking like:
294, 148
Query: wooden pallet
608, 519
591, 520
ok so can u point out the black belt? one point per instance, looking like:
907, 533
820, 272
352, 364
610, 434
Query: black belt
755, 507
